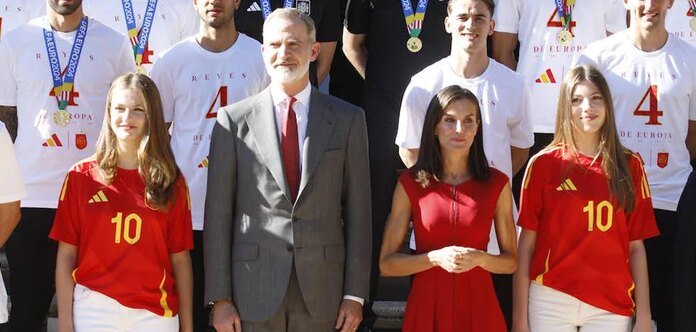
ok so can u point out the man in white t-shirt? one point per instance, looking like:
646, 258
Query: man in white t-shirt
14, 13
681, 21
11, 191
507, 133
173, 20
544, 58
57, 124
653, 83
215, 68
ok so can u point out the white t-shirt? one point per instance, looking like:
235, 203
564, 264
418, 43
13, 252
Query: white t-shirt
194, 84
14, 13
678, 21
503, 101
655, 98
174, 21
45, 151
544, 62
11, 185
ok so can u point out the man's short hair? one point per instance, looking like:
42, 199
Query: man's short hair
294, 15
489, 3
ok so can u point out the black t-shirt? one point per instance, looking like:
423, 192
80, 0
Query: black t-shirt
390, 65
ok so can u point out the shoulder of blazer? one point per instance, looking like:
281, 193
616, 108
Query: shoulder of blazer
339, 106
241, 108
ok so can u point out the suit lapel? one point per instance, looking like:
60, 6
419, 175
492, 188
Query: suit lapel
320, 124
262, 124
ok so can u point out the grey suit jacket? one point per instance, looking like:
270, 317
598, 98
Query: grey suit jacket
253, 232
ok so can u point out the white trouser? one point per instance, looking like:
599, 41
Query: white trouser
94, 311
554, 311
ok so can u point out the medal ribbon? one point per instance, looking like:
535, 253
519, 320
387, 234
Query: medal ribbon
692, 4
63, 85
139, 37
565, 12
414, 23
266, 7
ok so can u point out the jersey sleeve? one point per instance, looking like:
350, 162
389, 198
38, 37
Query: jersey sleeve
531, 198
588, 57
161, 76
641, 222
521, 133
507, 16
8, 83
615, 17
412, 116
66, 225
692, 98
357, 20
180, 235
329, 28
11, 185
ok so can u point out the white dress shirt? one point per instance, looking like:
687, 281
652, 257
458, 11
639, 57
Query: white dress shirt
301, 108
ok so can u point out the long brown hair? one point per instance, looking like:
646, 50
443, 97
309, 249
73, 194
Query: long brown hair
614, 155
429, 162
156, 164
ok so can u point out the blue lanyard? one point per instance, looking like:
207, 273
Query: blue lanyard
266, 6
414, 23
139, 38
63, 85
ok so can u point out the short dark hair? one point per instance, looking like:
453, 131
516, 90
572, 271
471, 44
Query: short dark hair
429, 162
489, 3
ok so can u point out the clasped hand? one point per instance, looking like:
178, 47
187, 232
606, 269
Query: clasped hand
456, 259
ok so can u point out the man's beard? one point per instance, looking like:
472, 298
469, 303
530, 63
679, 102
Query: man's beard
282, 75
64, 10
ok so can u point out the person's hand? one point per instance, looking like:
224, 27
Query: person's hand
642, 325
468, 258
225, 317
349, 316
455, 259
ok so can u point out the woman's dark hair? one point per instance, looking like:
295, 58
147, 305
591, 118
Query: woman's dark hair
429, 164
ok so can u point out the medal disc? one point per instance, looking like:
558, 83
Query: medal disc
692, 23
61, 118
414, 44
140, 69
564, 37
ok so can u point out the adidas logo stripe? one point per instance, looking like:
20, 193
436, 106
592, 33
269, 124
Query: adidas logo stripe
567, 185
254, 7
99, 198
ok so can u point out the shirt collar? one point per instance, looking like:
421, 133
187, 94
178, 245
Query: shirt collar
302, 97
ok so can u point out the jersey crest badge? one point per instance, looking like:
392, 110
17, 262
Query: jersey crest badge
81, 141
662, 159
304, 6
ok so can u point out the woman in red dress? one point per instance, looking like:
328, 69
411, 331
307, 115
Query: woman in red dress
453, 197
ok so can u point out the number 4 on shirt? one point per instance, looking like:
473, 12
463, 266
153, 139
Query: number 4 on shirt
652, 111
555, 22
221, 96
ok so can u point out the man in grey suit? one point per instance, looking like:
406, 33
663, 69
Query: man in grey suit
287, 238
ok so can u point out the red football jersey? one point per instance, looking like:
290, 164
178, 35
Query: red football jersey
582, 244
123, 245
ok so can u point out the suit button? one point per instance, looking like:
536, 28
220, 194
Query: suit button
289, 247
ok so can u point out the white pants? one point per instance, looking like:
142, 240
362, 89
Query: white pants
555, 311
94, 311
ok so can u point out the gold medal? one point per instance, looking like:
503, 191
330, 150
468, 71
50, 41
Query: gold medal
140, 69
61, 118
564, 37
414, 44
692, 23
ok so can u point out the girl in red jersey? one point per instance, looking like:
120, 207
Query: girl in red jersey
124, 224
454, 197
585, 210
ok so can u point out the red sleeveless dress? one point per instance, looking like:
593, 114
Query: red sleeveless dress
445, 215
